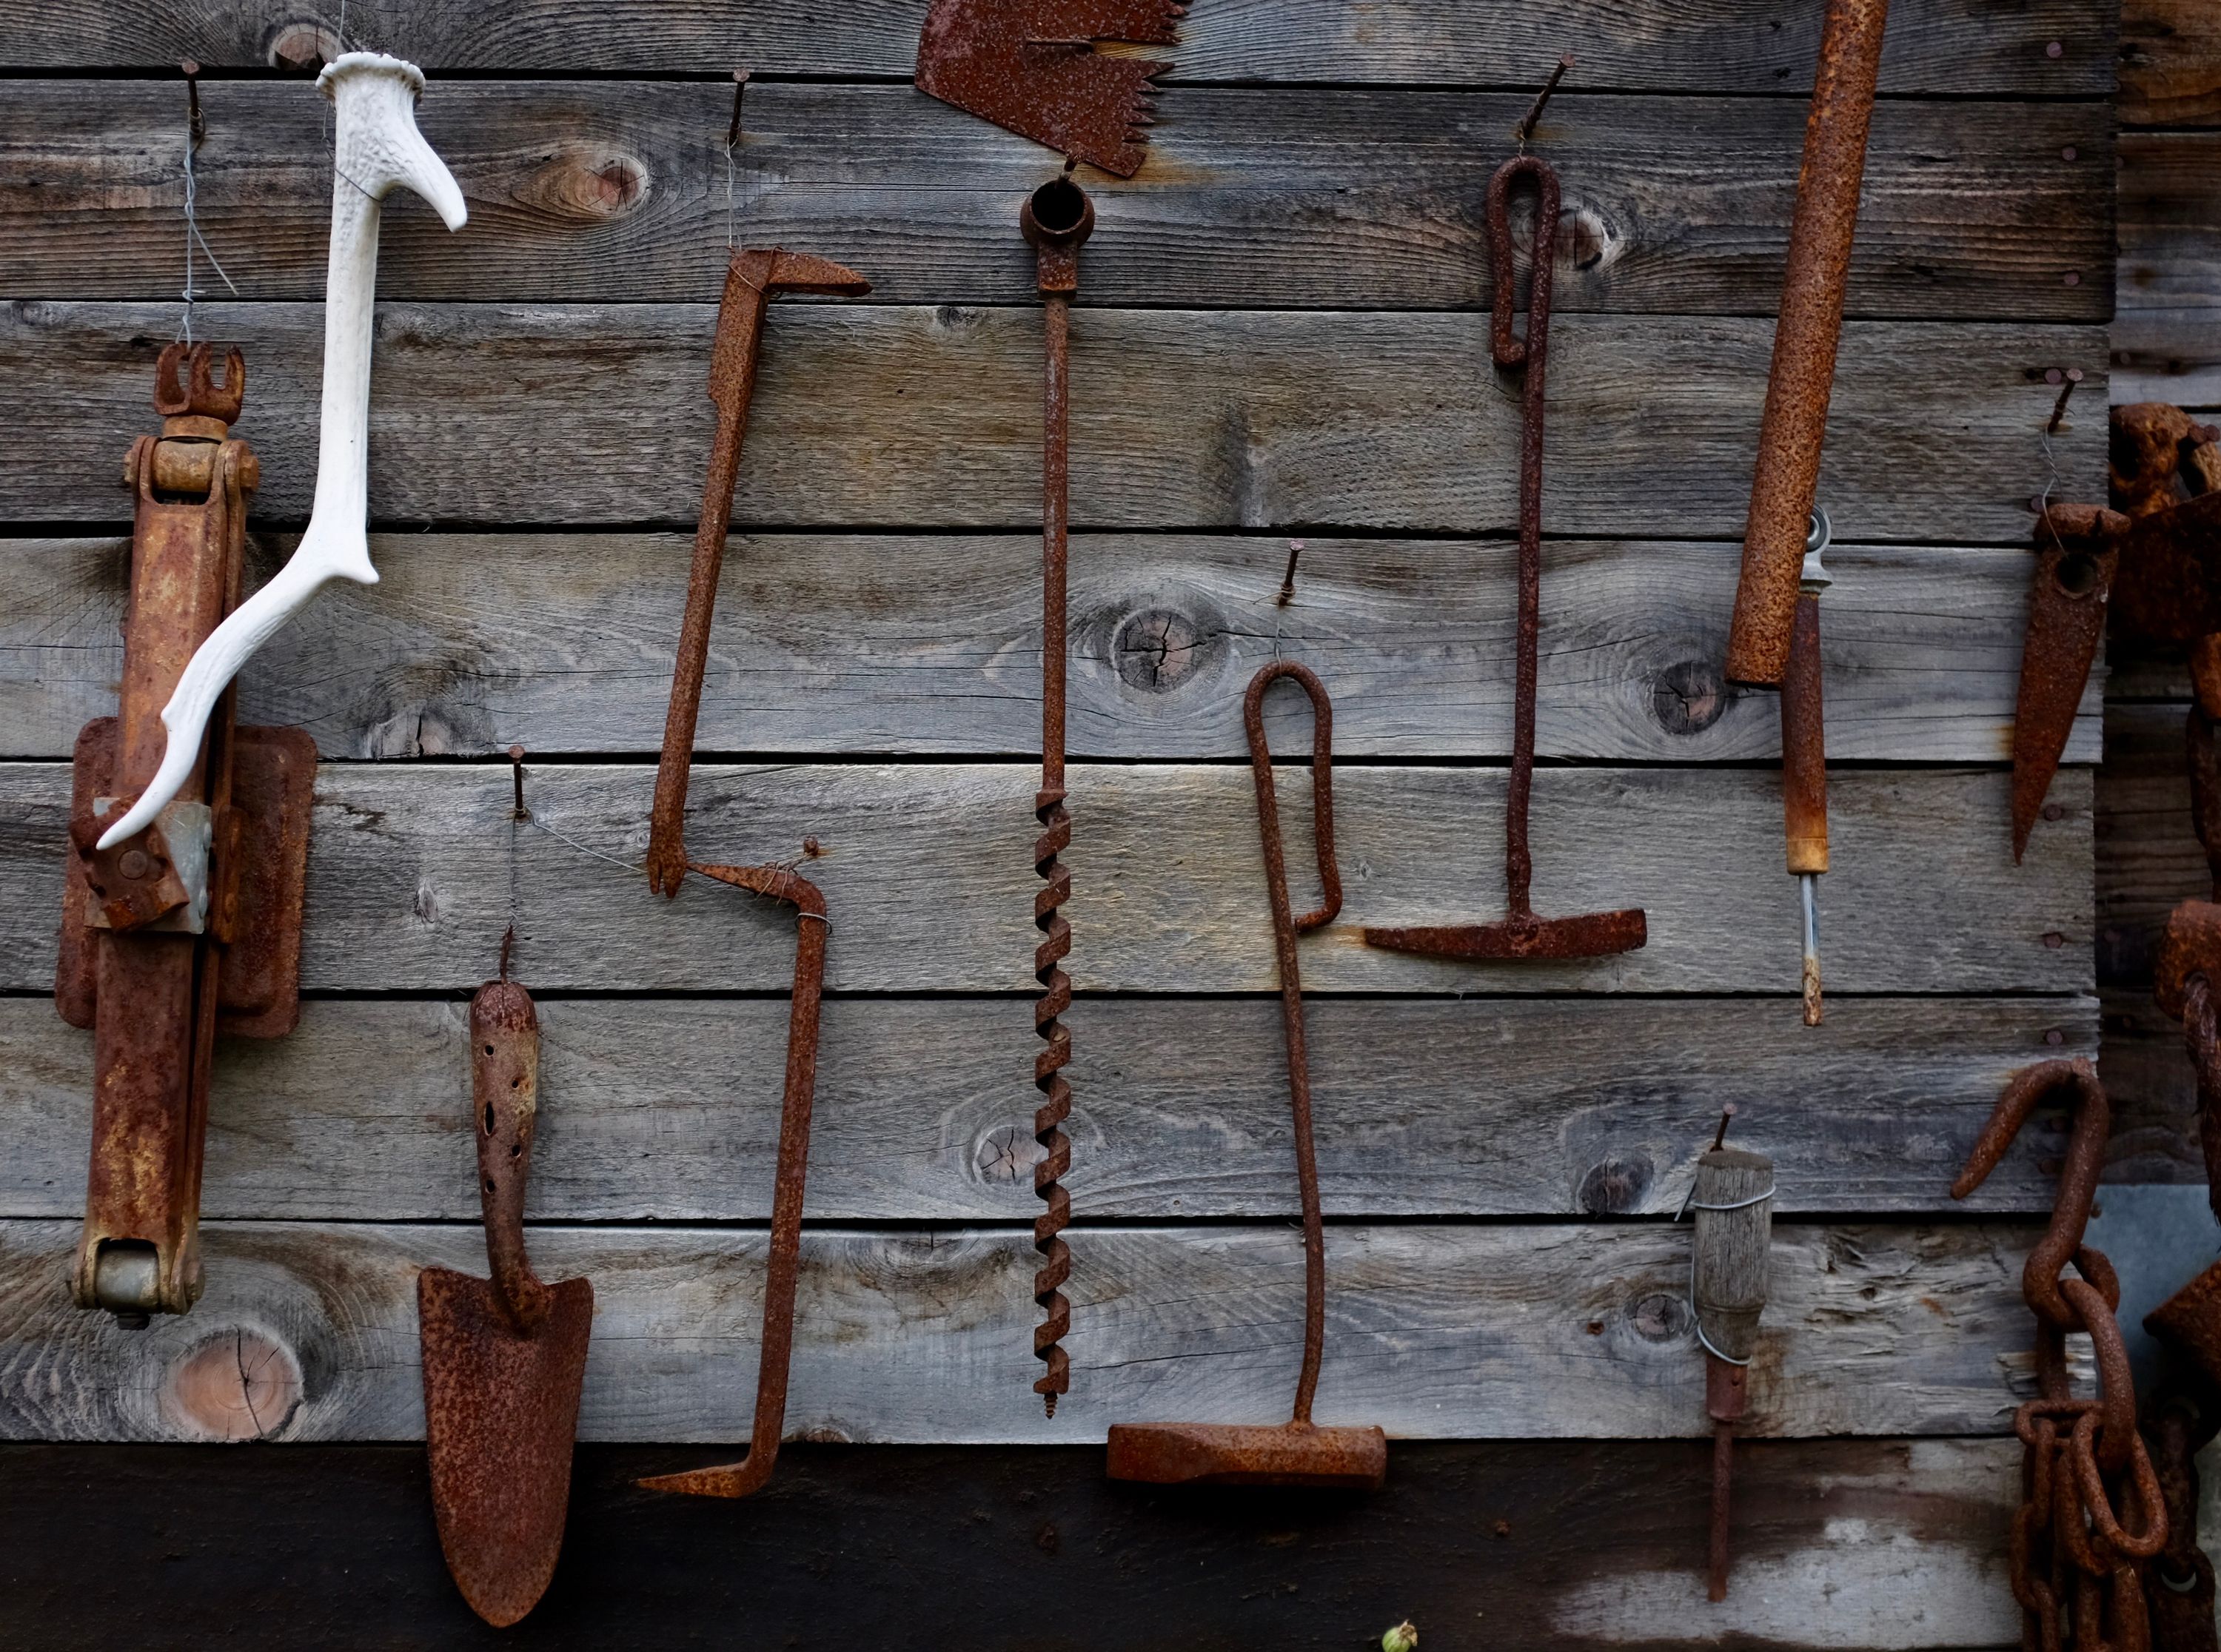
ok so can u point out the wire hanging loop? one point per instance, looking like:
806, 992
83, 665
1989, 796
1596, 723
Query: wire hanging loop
196, 135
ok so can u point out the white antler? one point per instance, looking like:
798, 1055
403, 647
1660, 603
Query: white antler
376, 147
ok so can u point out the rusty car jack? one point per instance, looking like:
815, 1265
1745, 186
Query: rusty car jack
190, 928
504, 1357
753, 279
2074, 1561
1297, 1452
1521, 935
784, 1263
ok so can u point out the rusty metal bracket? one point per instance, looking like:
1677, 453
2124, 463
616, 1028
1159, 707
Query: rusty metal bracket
1521, 936
753, 279
1297, 1452
783, 1265
191, 927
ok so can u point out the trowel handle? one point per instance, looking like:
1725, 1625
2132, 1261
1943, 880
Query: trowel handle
505, 1109
1804, 744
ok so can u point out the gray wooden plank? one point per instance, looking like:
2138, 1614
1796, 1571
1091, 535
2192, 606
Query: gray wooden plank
1435, 1331
1951, 47
930, 645
902, 416
928, 871
665, 1109
606, 191
2170, 294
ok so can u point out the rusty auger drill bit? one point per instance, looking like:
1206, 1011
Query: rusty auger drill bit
753, 279
1522, 935
784, 1263
1057, 218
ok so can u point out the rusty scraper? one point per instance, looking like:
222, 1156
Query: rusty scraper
503, 1357
1297, 1452
1030, 67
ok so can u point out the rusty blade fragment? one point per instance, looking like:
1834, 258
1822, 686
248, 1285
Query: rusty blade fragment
1030, 67
1222, 1454
754, 278
2189, 948
2079, 548
1786, 477
504, 1357
783, 1265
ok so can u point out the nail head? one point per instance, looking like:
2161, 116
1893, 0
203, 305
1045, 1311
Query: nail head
2054, 1038
2068, 153
2056, 49
2072, 279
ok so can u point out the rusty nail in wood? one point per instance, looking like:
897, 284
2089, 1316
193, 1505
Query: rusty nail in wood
812, 848
1526, 129
1288, 580
195, 123
517, 810
2059, 407
2053, 1037
740, 86
1720, 1137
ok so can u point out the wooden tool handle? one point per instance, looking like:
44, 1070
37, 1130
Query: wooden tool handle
1804, 745
1734, 1213
505, 1109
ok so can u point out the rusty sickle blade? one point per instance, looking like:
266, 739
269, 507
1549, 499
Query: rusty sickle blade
810, 924
1521, 935
1056, 220
2074, 1558
1297, 1452
2079, 548
503, 1357
753, 279
1030, 67
1795, 422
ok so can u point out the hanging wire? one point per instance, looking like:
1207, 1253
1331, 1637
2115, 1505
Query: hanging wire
196, 130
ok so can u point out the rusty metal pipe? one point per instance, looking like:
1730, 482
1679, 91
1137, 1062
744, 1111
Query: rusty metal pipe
1056, 220
1795, 422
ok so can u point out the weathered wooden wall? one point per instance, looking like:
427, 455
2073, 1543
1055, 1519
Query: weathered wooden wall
1279, 335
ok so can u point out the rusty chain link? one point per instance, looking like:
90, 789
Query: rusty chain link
2077, 1563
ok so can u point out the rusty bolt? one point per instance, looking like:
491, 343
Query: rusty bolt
133, 864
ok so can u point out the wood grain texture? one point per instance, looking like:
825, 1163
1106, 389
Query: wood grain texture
928, 872
611, 191
930, 644
2169, 280
1445, 1331
930, 416
2149, 857
1749, 45
2170, 63
1559, 1545
665, 1110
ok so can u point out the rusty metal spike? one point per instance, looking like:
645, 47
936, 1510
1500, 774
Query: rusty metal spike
2079, 550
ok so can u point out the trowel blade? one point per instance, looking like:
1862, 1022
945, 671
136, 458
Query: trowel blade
500, 1412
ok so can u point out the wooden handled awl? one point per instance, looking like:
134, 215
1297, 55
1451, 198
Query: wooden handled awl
1733, 1202
1805, 757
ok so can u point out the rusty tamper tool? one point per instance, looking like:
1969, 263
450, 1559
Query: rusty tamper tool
754, 278
1297, 1452
1521, 935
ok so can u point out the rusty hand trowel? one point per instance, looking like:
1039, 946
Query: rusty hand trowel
503, 1357
1297, 1452
753, 279
1521, 935
1030, 67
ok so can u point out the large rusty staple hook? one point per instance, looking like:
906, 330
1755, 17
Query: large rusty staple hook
2071, 1552
1297, 1452
753, 279
1521, 935
752, 1471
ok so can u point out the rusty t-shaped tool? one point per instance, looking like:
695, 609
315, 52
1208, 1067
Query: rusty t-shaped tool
755, 276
